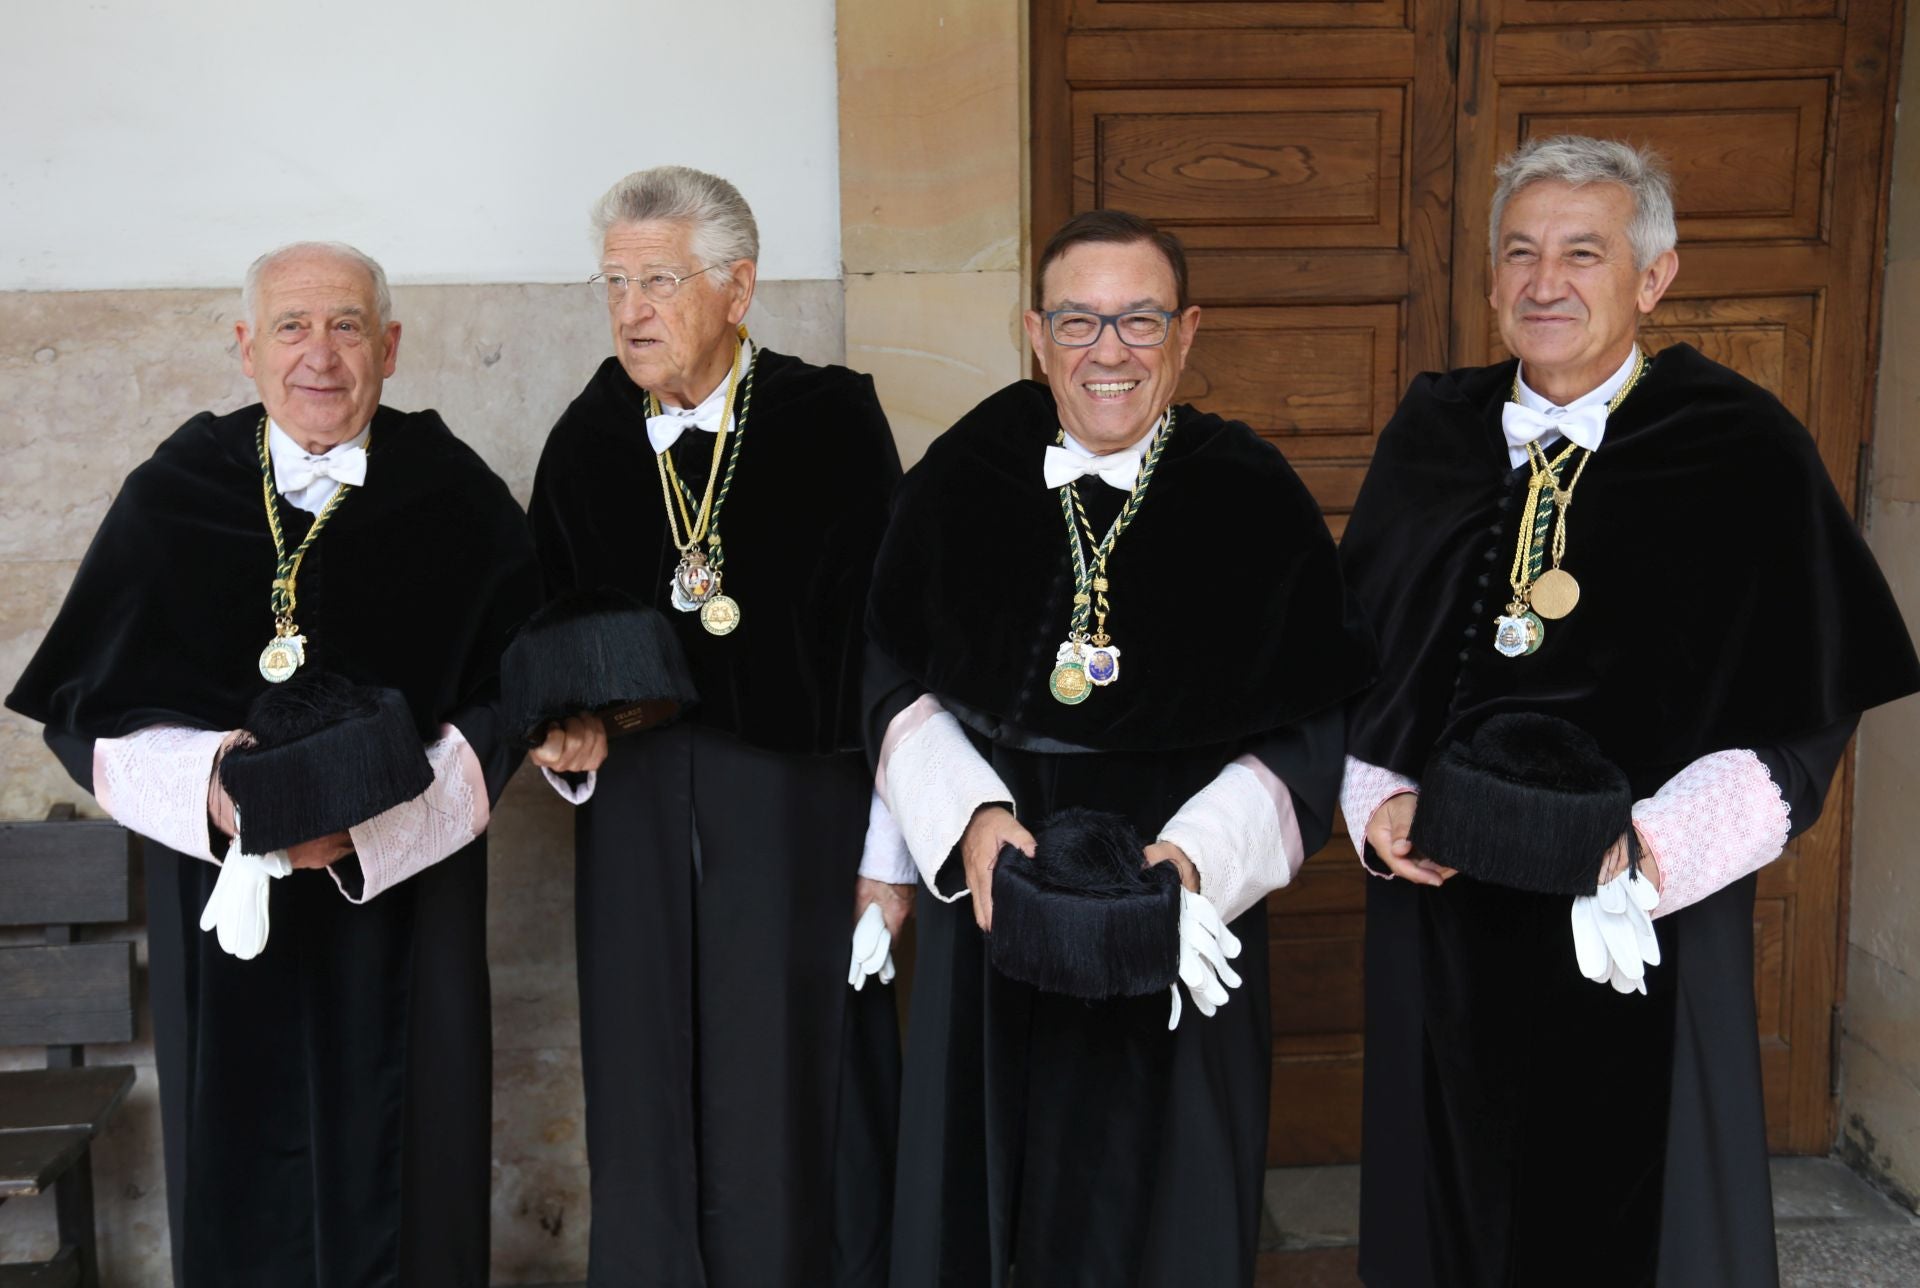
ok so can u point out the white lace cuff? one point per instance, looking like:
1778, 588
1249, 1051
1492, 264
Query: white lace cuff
1242, 835
933, 780
155, 782
568, 792
885, 856
1364, 789
1711, 824
415, 835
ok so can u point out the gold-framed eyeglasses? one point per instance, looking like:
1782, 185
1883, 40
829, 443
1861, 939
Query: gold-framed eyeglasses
1138, 329
657, 284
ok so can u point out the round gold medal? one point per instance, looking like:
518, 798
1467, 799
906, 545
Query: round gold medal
281, 658
720, 615
1068, 683
1555, 594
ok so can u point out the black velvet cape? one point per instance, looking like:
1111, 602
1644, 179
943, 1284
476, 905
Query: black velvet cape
1726, 602
1726, 599
741, 1099
326, 1106
1226, 588
802, 521
1082, 1142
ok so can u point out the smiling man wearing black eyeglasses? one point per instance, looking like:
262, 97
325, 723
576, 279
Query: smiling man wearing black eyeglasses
1094, 599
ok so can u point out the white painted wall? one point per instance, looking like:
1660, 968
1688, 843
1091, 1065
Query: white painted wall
166, 142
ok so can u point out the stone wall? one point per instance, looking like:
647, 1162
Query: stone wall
932, 204
89, 384
1880, 1046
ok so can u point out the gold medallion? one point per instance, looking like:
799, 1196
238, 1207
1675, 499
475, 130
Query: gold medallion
720, 615
1068, 683
1555, 594
281, 658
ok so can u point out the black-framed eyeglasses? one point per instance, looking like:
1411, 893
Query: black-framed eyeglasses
657, 285
1137, 329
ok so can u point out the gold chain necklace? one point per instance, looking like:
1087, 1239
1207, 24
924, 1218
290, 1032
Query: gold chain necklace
695, 584
286, 652
1540, 597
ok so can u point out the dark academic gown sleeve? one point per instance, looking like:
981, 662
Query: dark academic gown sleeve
1083, 1142
414, 585
1780, 632
1308, 756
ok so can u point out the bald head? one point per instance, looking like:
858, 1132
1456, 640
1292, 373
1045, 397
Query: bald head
337, 251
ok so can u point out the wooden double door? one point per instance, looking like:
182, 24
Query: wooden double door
1330, 166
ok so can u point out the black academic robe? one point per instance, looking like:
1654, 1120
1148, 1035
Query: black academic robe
1067, 1142
1726, 601
326, 1106
740, 1097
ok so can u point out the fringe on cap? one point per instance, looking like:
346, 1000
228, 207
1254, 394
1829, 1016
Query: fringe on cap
320, 755
1085, 916
594, 650
1529, 802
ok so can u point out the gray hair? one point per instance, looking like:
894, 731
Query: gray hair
382, 297
1578, 160
722, 222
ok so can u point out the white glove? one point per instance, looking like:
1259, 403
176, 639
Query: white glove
1205, 945
872, 949
237, 908
1613, 938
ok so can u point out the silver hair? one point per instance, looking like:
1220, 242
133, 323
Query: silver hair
382, 297
1579, 160
722, 222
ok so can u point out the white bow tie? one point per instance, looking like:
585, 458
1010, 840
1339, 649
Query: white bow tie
1581, 425
346, 465
664, 430
1119, 470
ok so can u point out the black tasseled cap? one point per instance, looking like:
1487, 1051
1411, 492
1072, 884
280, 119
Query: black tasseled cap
320, 755
1085, 916
1527, 801
594, 650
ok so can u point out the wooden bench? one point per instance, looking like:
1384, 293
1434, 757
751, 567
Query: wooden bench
62, 874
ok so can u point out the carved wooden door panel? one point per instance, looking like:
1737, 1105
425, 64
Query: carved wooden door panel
1329, 167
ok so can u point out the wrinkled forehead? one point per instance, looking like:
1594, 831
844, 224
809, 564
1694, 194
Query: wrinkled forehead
1552, 209
655, 243
315, 283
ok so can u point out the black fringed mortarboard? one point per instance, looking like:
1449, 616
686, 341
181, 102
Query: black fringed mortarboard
321, 755
1085, 916
595, 650
1528, 801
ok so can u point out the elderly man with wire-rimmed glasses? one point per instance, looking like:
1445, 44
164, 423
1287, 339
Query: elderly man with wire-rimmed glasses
740, 1096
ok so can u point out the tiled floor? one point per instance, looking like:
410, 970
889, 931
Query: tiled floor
1835, 1230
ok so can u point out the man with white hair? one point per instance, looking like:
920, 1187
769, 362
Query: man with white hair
1594, 725
740, 1096
326, 1102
